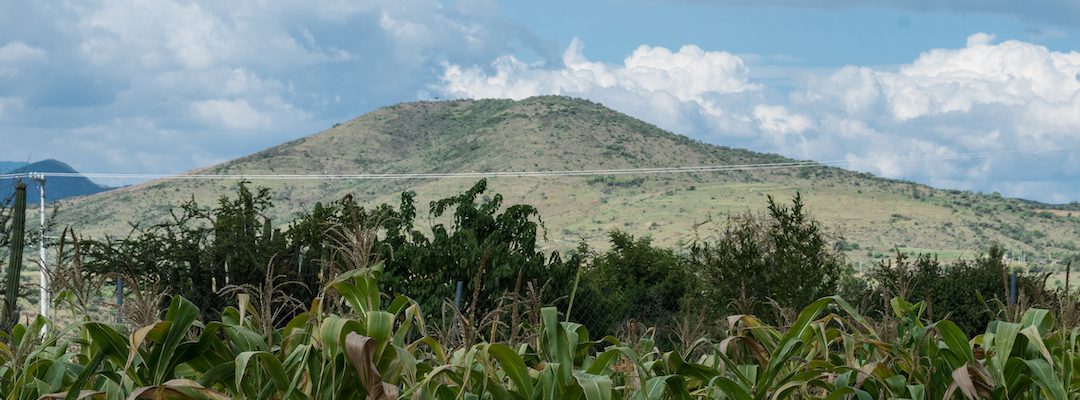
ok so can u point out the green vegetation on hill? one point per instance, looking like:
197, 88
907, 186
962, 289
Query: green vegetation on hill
556, 133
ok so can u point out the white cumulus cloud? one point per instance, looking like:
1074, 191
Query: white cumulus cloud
15, 54
8, 104
923, 120
230, 78
987, 96
778, 119
18, 52
672, 88
689, 74
233, 114
239, 114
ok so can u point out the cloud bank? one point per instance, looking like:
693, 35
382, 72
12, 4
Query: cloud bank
169, 85
920, 121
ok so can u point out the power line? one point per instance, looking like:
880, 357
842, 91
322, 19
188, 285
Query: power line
526, 174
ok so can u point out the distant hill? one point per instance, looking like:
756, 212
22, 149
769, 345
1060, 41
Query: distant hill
56, 188
8, 166
874, 215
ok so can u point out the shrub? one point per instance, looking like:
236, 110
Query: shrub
970, 293
492, 253
491, 250
755, 263
633, 280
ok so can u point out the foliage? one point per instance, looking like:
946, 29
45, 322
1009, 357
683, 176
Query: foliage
493, 254
750, 265
377, 347
71, 285
202, 251
968, 292
634, 280
233, 245
358, 334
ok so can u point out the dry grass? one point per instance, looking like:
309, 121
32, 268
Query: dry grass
689, 328
1068, 311
512, 321
68, 280
142, 304
269, 304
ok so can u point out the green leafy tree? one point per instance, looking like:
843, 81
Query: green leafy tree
242, 247
633, 280
764, 265
491, 252
308, 247
970, 293
201, 251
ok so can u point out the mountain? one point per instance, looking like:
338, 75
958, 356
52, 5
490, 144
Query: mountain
8, 166
56, 188
874, 215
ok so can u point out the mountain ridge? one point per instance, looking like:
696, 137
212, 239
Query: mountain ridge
557, 133
8, 166
56, 188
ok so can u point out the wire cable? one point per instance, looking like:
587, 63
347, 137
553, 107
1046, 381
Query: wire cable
526, 174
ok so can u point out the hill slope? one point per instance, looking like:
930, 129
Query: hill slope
56, 188
556, 133
8, 166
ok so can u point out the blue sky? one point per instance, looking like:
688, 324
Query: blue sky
825, 37
903, 89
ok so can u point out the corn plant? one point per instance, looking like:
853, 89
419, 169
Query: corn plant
354, 341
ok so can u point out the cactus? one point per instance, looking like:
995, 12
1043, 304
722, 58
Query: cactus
15, 261
268, 232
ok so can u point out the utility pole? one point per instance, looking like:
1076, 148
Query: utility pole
39, 178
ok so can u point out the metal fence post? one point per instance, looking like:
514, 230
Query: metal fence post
1012, 289
457, 294
119, 300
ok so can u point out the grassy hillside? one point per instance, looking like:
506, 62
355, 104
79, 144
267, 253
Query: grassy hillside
556, 133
